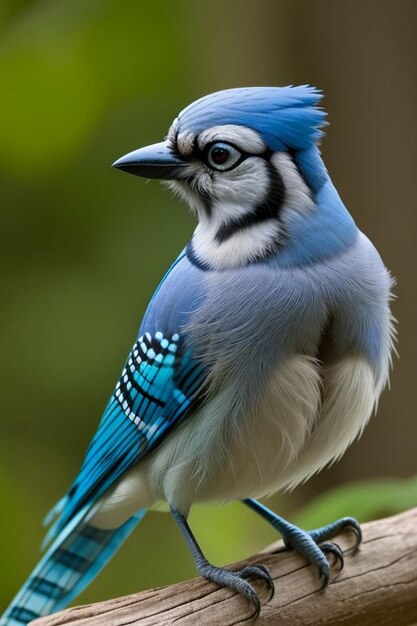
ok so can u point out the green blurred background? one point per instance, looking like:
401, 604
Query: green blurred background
83, 246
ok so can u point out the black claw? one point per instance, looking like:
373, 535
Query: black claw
335, 550
237, 580
353, 526
324, 574
262, 572
269, 582
256, 605
250, 594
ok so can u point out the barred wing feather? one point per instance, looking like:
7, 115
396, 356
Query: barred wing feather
158, 386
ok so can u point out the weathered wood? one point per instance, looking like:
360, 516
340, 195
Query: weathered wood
378, 587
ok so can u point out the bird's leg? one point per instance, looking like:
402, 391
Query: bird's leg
313, 544
236, 580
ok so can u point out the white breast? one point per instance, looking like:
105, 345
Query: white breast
351, 392
218, 455
221, 455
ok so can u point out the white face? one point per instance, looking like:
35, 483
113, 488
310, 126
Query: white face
226, 166
237, 187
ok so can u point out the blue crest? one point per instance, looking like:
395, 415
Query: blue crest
285, 117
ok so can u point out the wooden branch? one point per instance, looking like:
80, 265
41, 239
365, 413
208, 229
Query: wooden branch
378, 587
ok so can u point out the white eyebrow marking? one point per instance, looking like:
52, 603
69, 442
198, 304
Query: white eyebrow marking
185, 143
244, 138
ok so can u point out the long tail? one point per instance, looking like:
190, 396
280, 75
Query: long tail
75, 558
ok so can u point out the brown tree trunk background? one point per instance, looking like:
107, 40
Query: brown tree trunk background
363, 54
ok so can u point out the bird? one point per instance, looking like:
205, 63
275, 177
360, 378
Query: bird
259, 360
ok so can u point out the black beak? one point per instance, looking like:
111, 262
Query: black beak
156, 161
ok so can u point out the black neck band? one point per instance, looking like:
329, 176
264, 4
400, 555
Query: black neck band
269, 208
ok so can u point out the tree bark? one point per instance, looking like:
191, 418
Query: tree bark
378, 586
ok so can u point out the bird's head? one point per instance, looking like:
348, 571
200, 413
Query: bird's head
236, 157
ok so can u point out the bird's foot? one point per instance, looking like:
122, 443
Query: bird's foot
315, 553
313, 545
237, 580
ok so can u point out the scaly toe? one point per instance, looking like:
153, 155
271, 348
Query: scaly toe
236, 580
303, 543
344, 524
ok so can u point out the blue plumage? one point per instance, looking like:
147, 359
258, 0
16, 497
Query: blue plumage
260, 358
156, 389
75, 558
285, 117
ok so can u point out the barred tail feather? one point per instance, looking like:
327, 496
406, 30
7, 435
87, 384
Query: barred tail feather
76, 557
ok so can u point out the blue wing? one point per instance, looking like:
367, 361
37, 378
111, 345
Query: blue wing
159, 386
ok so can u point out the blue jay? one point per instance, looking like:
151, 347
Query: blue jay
259, 360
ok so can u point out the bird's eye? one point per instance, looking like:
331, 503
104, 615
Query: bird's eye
222, 156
